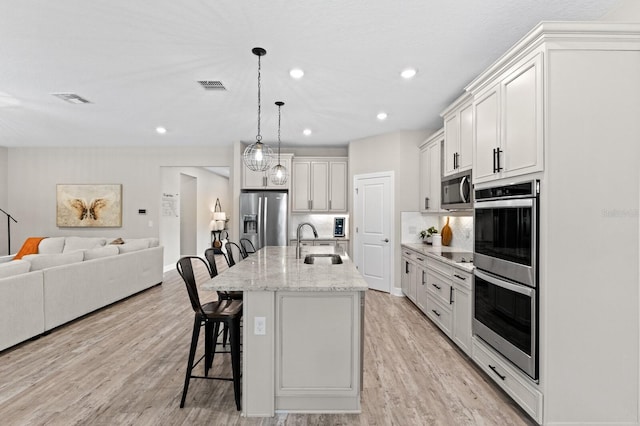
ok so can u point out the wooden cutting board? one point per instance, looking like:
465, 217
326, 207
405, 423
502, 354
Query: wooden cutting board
446, 234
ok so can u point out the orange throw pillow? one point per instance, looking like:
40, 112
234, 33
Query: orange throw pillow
30, 246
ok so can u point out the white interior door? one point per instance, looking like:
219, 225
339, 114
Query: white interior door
373, 225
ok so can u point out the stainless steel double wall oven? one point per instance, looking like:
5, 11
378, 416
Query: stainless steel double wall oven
506, 276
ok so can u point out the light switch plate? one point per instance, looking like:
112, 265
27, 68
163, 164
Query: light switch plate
259, 326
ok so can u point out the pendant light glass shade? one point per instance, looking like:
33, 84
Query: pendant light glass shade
258, 156
279, 174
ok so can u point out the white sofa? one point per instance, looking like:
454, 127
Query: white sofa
71, 277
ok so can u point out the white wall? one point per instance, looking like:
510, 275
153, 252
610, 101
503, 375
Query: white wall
397, 152
210, 187
34, 172
3, 199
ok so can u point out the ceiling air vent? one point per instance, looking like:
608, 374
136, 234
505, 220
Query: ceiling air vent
212, 85
72, 98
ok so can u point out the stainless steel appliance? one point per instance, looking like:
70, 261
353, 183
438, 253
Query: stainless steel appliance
456, 192
505, 307
263, 218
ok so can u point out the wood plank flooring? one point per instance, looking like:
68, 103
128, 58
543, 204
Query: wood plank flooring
125, 365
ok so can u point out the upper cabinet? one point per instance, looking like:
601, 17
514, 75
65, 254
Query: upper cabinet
319, 185
509, 123
430, 176
458, 136
260, 180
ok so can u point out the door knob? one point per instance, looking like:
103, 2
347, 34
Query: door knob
386, 240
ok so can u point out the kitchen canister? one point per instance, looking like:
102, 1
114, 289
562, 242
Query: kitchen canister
437, 240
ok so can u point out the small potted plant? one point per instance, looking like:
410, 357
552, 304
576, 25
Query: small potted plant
426, 234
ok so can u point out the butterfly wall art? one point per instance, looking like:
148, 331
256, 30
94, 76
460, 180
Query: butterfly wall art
85, 205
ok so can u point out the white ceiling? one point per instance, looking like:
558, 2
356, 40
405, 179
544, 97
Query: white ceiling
138, 61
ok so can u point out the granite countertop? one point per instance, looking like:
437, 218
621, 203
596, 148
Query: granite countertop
277, 269
434, 252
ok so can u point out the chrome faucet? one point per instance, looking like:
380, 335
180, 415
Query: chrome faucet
298, 235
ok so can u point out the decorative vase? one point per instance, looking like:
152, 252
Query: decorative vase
446, 234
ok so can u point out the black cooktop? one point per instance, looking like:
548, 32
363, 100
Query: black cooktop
458, 256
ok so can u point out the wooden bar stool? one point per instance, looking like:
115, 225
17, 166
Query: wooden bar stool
212, 315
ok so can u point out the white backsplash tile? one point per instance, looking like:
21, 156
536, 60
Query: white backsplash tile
322, 222
414, 222
462, 231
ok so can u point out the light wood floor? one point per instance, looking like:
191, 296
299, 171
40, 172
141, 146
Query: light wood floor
125, 365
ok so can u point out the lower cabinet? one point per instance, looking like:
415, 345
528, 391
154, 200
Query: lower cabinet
341, 244
509, 378
442, 292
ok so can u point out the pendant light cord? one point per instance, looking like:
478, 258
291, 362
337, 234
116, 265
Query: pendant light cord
258, 136
279, 106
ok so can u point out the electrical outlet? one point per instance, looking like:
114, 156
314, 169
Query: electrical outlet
259, 326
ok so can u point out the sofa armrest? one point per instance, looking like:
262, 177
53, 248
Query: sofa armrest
7, 258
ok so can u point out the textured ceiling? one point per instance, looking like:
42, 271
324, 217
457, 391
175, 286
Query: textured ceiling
138, 63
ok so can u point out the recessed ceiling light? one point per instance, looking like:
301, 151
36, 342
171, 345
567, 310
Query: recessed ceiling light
296, 73
161, 130
306, 132
408, 73
382, 116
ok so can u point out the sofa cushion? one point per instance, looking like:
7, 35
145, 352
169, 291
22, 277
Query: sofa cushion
16, 267
136, 245
82, 243
144, 241
51, 245
97, 253
43, 261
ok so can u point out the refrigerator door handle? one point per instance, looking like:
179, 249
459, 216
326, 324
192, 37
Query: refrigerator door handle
264, 226
259, 220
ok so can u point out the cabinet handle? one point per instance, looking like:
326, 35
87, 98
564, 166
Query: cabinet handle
406, 267
426, 203
451, 295
264, 181
459, 277
422, 277
435, 312
437, 286
494, 160
420, 259
496, 371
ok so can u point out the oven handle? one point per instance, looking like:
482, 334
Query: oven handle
523, 202
518, 288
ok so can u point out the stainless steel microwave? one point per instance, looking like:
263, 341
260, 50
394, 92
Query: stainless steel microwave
456, 192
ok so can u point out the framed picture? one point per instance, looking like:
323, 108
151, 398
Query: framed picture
89, 206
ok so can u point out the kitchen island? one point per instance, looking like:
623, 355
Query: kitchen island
303, 331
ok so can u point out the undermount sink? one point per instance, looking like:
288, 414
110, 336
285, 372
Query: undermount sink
323, 259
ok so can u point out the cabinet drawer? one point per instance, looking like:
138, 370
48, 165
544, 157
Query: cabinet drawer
441, 267
462, 278
324, 243
440, 315
409, 254
439, 286
509, 378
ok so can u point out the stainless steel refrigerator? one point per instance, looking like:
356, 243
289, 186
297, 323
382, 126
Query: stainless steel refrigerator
263, 218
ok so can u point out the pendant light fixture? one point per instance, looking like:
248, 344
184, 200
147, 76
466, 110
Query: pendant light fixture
258, 156
278, 173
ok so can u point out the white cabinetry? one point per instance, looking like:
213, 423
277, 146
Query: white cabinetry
458, 136
462, 308
319, 185
430, 175
509, 378
442, 292
509, 123
260, 180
